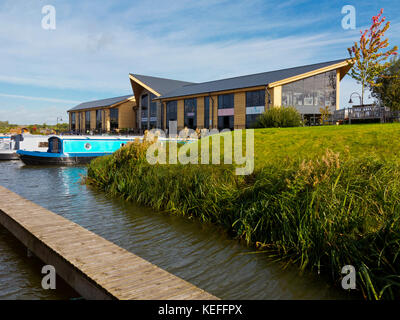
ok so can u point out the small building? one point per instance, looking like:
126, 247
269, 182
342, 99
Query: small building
233, 103
113, 114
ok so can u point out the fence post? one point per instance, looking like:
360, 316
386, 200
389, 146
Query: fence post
349, 111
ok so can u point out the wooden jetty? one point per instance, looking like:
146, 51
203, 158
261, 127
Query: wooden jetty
92, 265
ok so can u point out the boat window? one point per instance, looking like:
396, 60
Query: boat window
88, 146
54, 145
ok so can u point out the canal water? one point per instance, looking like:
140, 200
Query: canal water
198, 253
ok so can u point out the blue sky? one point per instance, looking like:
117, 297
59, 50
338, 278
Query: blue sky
96, 45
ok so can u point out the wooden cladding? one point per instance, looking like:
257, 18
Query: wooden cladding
240, 110
180, 114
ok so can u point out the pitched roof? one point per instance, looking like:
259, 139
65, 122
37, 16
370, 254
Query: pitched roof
160, 85
248, 81
100, 103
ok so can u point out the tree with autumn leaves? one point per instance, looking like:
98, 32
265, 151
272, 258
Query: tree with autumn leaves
369, 55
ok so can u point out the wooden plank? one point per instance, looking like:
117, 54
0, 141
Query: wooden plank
101, 264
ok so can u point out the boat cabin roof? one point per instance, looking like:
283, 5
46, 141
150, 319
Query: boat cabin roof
93, 138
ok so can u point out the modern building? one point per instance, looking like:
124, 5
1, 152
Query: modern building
233, 103
113, 114
150, 112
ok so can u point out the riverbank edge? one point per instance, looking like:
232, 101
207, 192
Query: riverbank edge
296, 196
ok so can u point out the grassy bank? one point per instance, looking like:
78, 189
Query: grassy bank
320, 198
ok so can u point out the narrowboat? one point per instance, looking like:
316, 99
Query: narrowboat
73, 150
9, 145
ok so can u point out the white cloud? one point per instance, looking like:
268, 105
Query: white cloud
23, 115
95, 47
38, 98
84, 53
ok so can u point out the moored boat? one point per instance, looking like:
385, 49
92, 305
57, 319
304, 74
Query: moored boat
73, 150
6, 152
9, 145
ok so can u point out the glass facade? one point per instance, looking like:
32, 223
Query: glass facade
226, 101
153, 112
172, 111
310, 94
226, 104
87, 121
190, 113
255, 105
207, 112
144, 115
73, 121
99, 122
113, 119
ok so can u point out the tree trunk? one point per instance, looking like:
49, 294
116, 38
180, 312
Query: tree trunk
362, 93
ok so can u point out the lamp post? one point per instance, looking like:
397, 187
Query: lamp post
359, 96
59, 119
351, 101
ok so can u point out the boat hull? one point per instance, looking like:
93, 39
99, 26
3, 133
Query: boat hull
72, 151
59, 161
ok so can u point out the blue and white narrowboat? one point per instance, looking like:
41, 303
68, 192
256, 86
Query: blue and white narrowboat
73, 150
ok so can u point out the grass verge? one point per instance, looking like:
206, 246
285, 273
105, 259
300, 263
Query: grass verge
320, 198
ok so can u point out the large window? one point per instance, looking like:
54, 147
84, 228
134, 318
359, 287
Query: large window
207, 112
226, 111
190, 113
226, 101
113, 118
255, 105
153, 112
172, 111
73, 121
162, 116
79, 121
145, 111
310, 94
87, 121
225, 122
99, 120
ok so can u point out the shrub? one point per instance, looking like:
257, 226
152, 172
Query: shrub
279, 117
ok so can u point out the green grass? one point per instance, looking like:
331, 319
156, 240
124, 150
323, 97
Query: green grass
380, 140
319, 198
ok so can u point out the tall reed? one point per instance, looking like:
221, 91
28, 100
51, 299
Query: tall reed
320, 214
